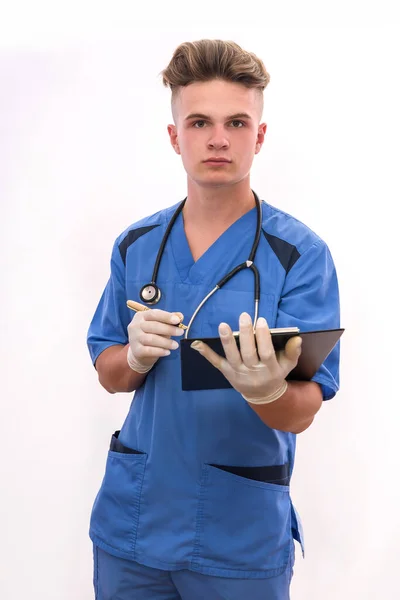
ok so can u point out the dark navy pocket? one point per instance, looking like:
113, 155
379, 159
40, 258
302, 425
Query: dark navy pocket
242, 524
115, 512
279, 474
117, 446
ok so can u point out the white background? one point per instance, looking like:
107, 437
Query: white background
84, 153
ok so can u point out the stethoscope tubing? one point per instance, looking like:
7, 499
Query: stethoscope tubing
248, 264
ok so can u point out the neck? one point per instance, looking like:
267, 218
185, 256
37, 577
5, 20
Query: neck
216, 207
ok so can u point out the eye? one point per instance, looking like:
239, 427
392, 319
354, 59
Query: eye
196, 123
238, 124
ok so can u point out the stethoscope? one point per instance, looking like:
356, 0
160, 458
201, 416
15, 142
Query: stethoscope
151, 293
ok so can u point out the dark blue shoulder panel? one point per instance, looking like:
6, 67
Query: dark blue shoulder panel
286, 253
131, 237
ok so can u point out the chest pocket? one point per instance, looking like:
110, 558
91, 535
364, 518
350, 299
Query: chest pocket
227, 305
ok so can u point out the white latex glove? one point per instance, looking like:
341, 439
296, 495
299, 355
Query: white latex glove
259, 374
150, 334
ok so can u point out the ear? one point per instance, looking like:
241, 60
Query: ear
173, 136
262, 130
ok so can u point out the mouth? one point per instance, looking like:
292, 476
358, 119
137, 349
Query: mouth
217, 161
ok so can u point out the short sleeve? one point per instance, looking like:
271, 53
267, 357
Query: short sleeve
310, 301
112, 317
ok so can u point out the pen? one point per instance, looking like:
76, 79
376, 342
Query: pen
139, 307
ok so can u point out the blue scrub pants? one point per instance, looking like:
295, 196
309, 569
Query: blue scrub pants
121, 579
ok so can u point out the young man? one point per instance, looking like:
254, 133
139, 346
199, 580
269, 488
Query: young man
195, 500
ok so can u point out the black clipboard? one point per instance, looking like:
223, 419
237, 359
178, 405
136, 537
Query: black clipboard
198, 374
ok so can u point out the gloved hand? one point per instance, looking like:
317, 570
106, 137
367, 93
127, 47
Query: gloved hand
259, 374
150, 334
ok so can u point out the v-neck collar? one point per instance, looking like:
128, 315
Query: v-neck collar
233, 244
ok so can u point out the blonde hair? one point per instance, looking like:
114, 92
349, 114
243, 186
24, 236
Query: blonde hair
205, 60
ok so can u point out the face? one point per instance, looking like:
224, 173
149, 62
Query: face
217, 120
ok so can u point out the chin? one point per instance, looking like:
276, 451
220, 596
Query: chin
219, 179
215, 184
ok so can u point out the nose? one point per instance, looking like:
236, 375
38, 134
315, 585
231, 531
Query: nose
218, 138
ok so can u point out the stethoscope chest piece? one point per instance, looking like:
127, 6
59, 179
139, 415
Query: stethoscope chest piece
150, 293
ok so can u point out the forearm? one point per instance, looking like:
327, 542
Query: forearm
295, 410
115, 375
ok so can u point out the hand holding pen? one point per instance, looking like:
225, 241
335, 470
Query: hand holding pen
150, 333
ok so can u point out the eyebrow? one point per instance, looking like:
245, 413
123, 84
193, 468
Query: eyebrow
208, 118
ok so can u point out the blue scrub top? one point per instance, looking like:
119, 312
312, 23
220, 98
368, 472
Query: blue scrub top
176, 498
